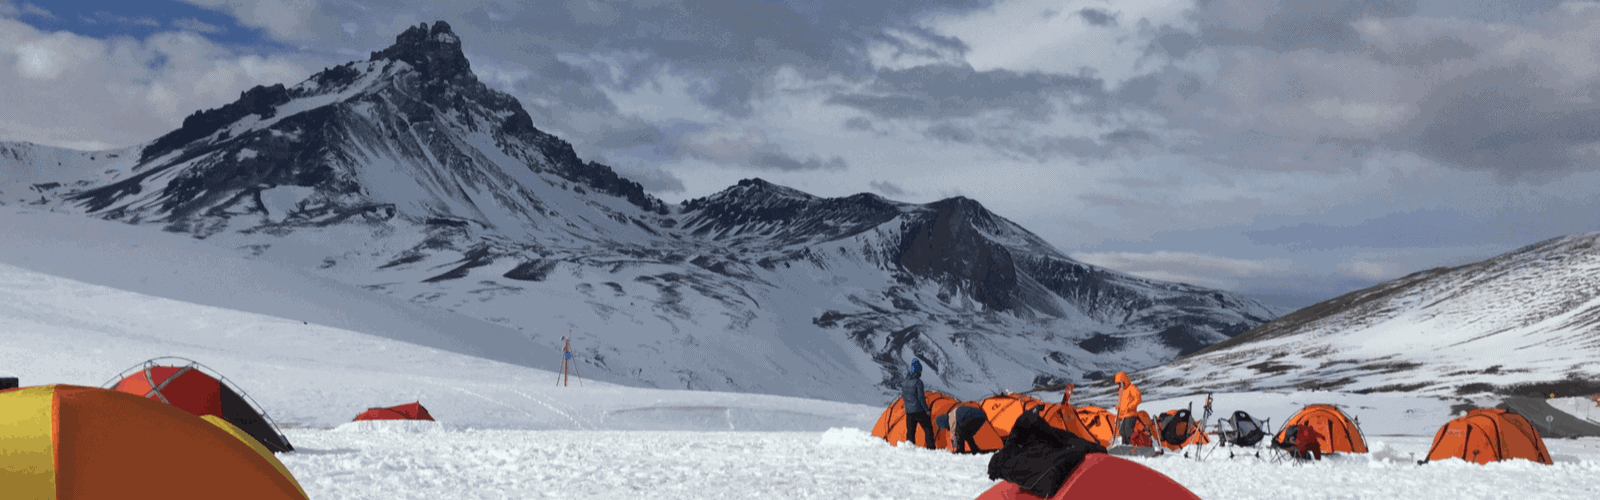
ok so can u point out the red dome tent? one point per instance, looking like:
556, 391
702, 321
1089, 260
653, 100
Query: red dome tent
192, 389
1101, 476
408, 411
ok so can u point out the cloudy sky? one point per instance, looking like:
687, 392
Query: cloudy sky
1288, 150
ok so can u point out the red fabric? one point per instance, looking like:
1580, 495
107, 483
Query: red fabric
1102, 476
408, 411
1105, 476
1308, 439
192, 391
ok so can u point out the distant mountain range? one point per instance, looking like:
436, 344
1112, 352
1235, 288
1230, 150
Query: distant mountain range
1523, 323
406, 175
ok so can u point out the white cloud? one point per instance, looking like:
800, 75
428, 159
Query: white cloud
1196, 269
35, 10
1023, 35
67, 90
196, 25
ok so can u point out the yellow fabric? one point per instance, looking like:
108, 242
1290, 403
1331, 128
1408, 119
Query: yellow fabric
27, 443
254, 445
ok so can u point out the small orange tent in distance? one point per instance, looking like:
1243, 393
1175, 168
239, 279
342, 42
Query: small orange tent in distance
1489, 434
1178, 429
1339, 432
86, 443
408, 411
191, 389
1102, 476
1101, 424
892, 424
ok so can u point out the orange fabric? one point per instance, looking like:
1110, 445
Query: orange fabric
1487, 435
113, 445
1128, 396
1102, 476
1004, 409
891, 425
1100, 424
1339, 433
408, 411
191, 390
987, 437
1065, 417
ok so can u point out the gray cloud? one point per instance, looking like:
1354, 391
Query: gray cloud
1284, 25
858, 123
1098, 17
887, 188
652, 179
947, 91
1495, 121
747, 147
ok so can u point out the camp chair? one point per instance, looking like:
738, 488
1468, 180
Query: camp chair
1243, 431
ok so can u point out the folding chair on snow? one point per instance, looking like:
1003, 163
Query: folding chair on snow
1243, 431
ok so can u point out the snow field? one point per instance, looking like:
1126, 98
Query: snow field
439, 461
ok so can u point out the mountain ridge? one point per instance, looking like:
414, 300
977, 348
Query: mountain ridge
405, 175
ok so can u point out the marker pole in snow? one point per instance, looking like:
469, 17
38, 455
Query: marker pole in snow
566, 364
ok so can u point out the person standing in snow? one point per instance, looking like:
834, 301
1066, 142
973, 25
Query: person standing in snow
916, 404
1128, 399
963, 422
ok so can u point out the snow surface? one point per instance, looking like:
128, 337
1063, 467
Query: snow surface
507, 431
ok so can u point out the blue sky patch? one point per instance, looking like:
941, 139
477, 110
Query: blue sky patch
118, 18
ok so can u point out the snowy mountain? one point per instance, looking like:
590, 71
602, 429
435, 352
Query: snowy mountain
1527, 322
407, 176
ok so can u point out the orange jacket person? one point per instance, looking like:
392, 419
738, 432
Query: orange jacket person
1128, 397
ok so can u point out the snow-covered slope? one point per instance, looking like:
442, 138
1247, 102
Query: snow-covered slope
1527, 322
407, 176
506, 431
59, 331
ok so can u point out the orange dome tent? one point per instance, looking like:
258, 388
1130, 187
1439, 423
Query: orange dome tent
1101, 424
987, 437
1339, 432
1487, 435
87, 443
1065, 417
1102, 476
891, 424
189, 387
1003, 410
408, 411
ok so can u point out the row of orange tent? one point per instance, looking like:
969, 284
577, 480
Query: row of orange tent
1480, 436
1483, 435
1001, 411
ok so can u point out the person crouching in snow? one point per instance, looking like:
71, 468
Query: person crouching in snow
1308, 443
916, 405
963, 422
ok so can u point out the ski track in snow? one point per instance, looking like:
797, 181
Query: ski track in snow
558, 411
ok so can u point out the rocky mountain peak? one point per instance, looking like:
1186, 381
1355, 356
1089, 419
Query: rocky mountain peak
434, 51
